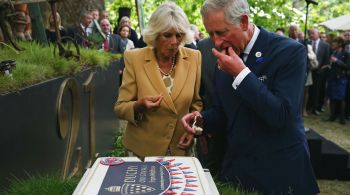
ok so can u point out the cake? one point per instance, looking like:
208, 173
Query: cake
156, 175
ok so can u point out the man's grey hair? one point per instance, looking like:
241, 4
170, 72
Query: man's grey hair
105, 20
165, 17
233, 9
84, 14
124, 18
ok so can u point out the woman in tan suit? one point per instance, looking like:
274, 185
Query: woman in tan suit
160, 85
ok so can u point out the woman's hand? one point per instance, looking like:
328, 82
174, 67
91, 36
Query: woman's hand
146, 103
185, 141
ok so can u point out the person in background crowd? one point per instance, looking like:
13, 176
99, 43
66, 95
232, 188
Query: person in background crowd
96, 37
124, 33
258, 94
301, 36
319, 75
51, 31
95, 14
126, 20
347, 98
140, 43
80, 34
85, 21
160, 85
104, 15
112, 42
293, 31
195, 30
193, 44
312, 64
280, 31
347, 41
337, 80
323, 37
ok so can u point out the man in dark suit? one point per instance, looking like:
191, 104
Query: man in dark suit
80, 33
257, 103
193, 44
319, 75
211, 147
112, 42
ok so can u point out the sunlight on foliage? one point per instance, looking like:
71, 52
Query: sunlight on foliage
37, 63
270, 14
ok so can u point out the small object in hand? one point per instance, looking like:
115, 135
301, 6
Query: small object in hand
198, 125
111, 161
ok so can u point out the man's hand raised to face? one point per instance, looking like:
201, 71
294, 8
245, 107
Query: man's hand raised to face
229, 61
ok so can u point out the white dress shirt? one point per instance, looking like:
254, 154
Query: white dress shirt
239, 78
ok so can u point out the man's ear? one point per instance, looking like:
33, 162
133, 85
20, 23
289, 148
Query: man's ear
244, 23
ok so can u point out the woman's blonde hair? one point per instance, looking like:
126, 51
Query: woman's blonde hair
58, 17
165, 17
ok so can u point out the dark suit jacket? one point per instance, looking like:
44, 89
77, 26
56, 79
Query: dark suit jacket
78, 35
115, 44
323, 54
211, 148
191, 46
267, 148
208, 69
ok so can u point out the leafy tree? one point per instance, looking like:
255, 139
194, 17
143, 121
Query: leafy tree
270, 14
190, 7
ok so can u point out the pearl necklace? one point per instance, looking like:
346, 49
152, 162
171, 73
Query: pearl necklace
171, 69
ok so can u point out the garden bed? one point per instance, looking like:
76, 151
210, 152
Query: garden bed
31, 139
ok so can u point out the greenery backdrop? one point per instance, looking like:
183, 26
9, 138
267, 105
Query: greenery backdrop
270, 14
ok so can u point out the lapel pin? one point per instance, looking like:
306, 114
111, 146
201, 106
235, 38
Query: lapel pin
258, 54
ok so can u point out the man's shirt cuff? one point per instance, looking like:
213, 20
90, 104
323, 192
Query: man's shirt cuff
237, 81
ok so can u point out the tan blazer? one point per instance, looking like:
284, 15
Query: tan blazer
161, 129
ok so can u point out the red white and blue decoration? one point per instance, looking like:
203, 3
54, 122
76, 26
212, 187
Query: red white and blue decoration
155, 176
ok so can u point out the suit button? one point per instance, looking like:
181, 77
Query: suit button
171, 126
168, 137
